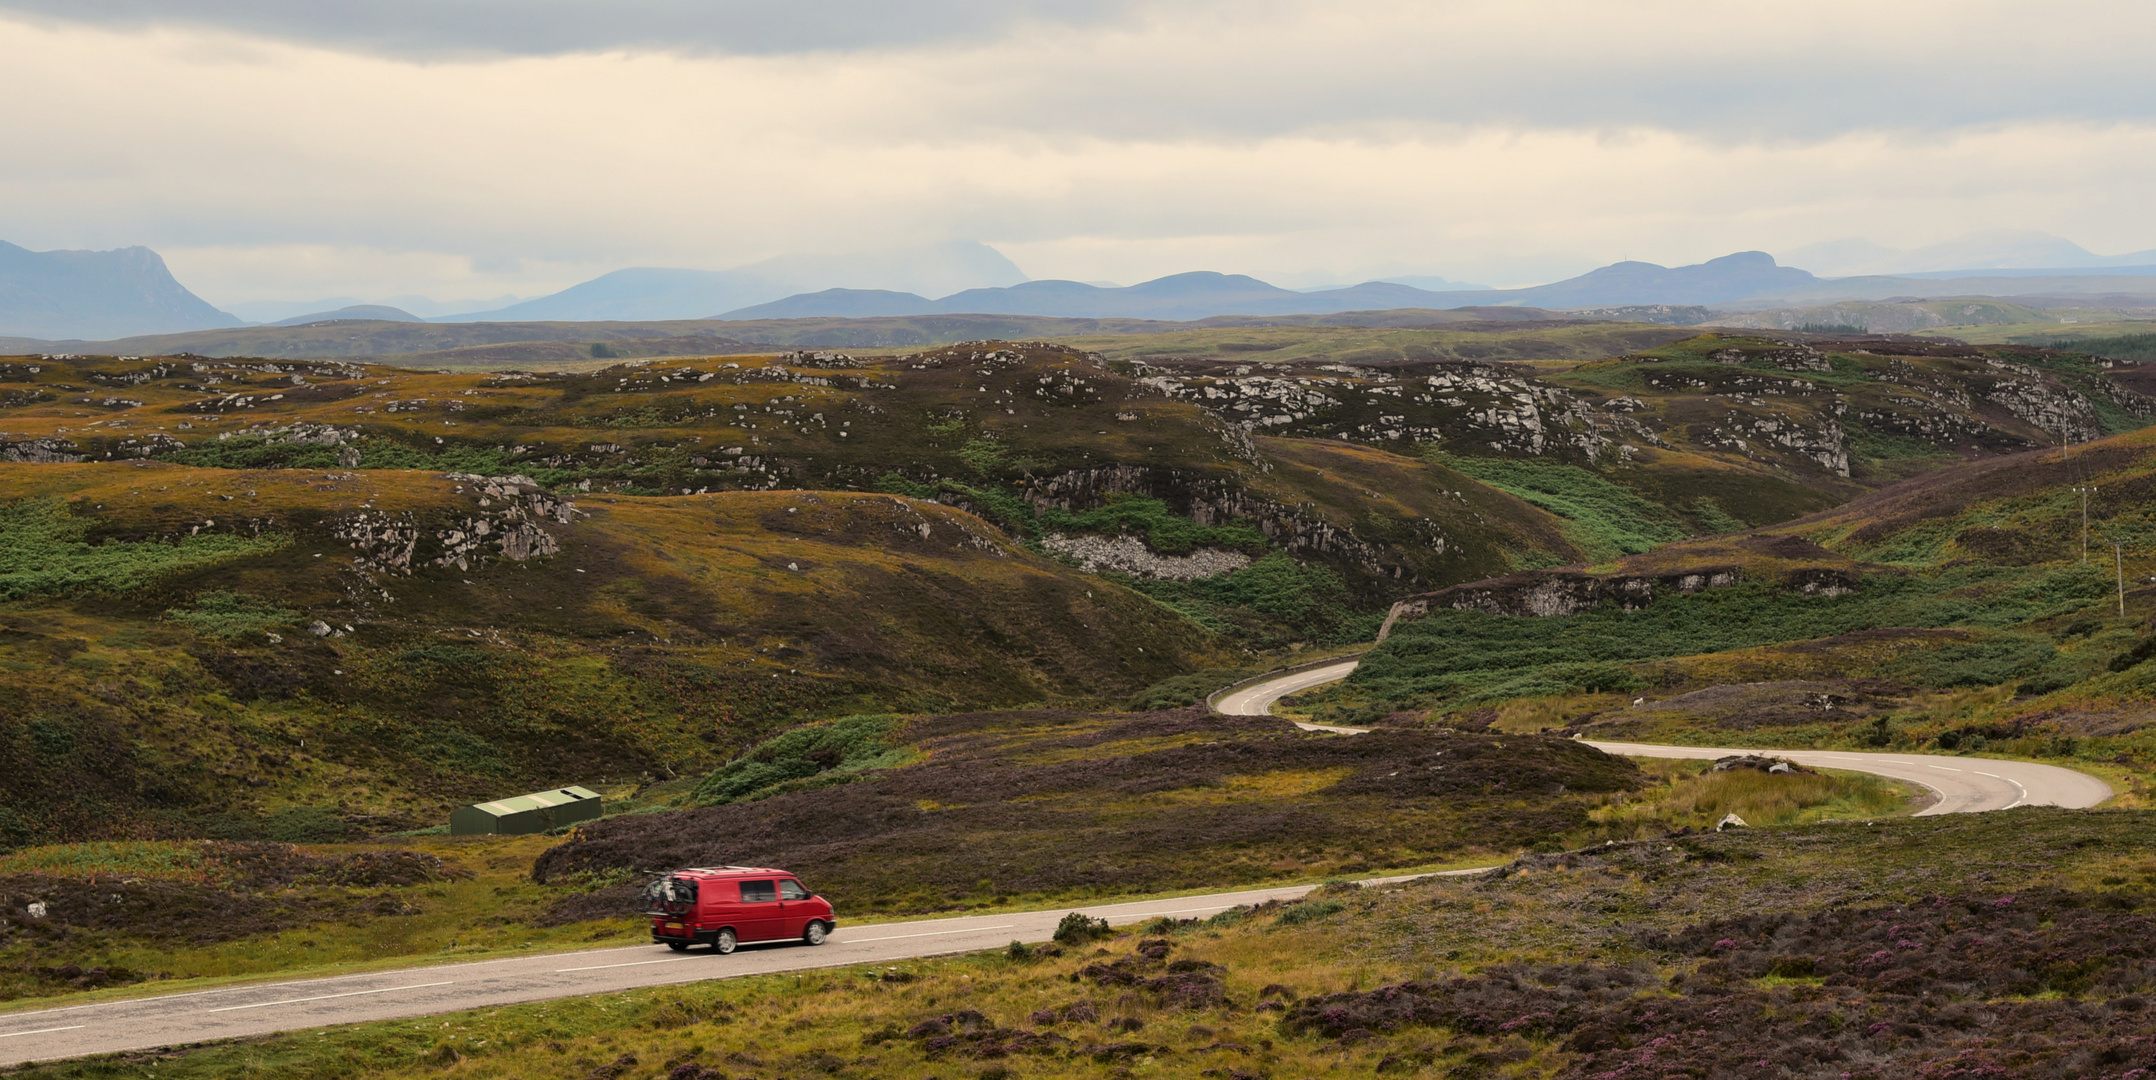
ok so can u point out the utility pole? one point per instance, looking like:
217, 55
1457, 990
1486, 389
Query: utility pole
2118, 555
2084, 492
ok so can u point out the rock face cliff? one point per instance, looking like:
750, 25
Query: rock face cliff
1558, 592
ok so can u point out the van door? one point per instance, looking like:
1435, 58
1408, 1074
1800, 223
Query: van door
796, 908
721, 906
762, 919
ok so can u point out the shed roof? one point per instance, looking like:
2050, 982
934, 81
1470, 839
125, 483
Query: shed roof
537, 800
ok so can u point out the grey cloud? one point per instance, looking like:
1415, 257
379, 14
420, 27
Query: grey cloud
1208, 69
432, 28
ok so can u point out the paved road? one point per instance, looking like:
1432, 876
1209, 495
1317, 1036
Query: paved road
264, 1008
1259, 700
1962, 785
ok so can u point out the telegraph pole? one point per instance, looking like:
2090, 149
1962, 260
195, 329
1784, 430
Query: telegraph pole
2118, 555
2084, 492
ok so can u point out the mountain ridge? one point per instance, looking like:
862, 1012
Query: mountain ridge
116, 293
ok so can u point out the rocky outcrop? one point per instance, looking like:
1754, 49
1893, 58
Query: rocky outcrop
1558, 592
511, 513
43, 452
1129, 555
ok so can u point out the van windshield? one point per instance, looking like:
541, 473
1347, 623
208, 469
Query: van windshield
754, 892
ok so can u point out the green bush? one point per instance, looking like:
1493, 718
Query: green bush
1310, 603
1310, 911
232, 615
1183, 691
1077, 929
45, 550
849, 745
1464, 657
253, 452
1601, 518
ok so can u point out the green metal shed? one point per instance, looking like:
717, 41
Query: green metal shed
533, 813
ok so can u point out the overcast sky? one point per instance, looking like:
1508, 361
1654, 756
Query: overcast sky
468, 148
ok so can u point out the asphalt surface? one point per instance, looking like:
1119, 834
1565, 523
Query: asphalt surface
266, 1008
1959, 785
1258, 700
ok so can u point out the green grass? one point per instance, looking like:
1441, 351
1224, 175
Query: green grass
44, 549
1606, 521
814, 756
2119, 347
1690, 796
222, 613
1456, 657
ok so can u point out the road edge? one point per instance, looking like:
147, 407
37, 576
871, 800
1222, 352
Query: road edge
1212, 700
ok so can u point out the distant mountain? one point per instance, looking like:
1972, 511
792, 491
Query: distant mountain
56, 295
645, 293
1731, 277
1203, 294
1196, 295
381, 312
1989, 254
1434, 283
270, 311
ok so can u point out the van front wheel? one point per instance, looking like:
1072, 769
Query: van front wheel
816, 933
725, 942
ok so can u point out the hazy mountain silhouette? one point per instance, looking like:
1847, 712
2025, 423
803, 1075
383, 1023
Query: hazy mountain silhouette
1203, 294
645, 293
96, 294
355, 311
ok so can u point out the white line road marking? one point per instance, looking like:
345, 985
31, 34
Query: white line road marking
934, 933
632, 963
1942, 768
43, 1031
326, 997
1993, 775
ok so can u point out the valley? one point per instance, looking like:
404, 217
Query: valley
267, 621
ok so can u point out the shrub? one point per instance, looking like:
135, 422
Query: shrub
44, 549
1077, 929
1605, 520
1310, 911
850, 745
223, 614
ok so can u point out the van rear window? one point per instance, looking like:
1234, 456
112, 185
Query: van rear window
753, 892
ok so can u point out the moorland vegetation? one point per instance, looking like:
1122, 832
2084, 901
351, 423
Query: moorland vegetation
792, 608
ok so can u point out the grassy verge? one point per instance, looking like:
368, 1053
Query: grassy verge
2024, 930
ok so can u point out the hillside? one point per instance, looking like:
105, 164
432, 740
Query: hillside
273, 570
1955, 611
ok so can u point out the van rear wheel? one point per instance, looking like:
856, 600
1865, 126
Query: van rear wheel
725, 942
816, 933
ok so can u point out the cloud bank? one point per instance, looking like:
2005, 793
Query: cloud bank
475, 148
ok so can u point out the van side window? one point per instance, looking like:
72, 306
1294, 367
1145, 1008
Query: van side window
756, 892
789, 889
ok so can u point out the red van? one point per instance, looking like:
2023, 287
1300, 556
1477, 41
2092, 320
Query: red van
734, 905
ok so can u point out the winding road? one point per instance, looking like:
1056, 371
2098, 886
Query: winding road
1963, 785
